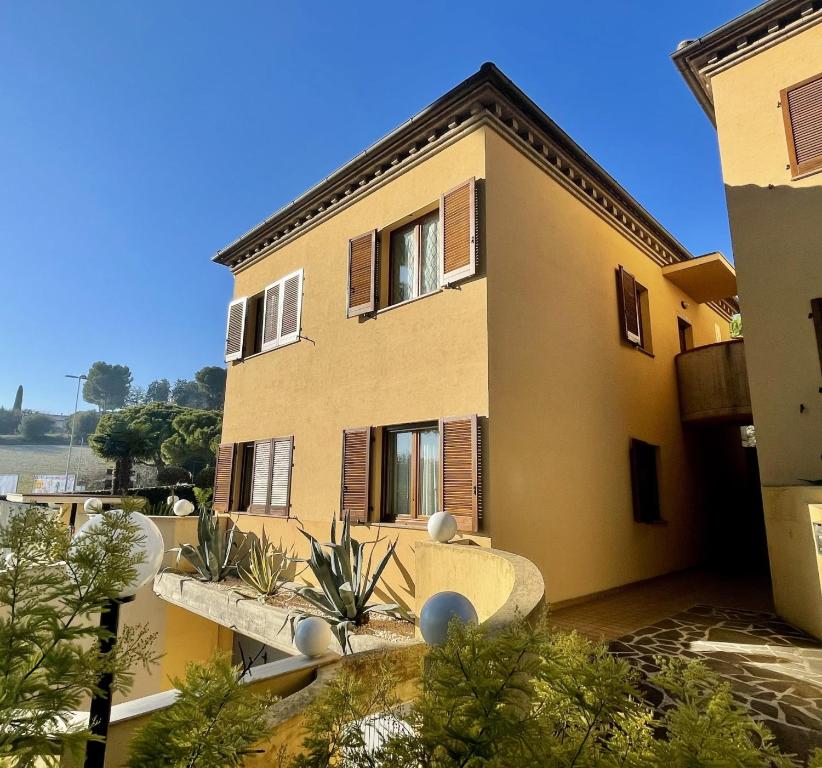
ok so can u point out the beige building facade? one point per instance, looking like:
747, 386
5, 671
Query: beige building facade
759, 79
472, 315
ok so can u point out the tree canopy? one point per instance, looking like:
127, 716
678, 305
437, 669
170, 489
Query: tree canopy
212, 384
158, 391
35, 426
195, 438
107, 386
83, 422
155, 420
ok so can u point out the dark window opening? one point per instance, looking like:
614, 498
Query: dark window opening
686, 335
645, 481
254, 325
245, 455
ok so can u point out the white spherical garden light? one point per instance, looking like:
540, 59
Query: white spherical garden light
93, 506
172, 500
312, 636
183, 507
438, 611
442, 527
150, 545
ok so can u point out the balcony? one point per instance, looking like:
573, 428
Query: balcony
713, 384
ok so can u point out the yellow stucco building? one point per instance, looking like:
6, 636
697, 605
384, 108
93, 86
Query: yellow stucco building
759, 79
473, 315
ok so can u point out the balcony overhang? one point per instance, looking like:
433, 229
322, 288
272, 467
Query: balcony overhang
713, 384
706, 278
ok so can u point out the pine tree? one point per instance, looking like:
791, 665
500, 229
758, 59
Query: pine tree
214, 722
52, 589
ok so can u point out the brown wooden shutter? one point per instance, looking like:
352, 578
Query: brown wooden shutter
802, 114
362, 271
629, 306
271, 317
235, 330
460, 484
292, 299
280, 498
458, 233
356, 474
261, 477
223, 477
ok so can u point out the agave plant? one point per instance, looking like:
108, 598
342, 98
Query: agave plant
266, 566
346, 582
216, 553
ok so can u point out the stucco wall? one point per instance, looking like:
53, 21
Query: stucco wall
566, 394
418, 362
777, 231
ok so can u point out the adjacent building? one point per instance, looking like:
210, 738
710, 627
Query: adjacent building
759, 80
473, 315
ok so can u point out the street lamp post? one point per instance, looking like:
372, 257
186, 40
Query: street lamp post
79, 378
149, 544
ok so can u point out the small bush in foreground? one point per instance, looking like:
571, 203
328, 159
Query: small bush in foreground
214, 723
530, 697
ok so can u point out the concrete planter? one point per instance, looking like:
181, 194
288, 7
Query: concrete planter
263, 622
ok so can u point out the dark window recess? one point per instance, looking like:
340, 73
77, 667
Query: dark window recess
254, 325
686, 335
246, 458
816, 316
645, 481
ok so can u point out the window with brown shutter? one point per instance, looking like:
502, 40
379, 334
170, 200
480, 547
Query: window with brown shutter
362, 274
802, 115
235, 330
460, 479
458, 233
356, 474
223, 478
634, 311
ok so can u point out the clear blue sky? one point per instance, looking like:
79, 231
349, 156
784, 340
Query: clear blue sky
137, 138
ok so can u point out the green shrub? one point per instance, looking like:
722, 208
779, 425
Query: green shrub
530, 697
214, 722
35, 426
172, 475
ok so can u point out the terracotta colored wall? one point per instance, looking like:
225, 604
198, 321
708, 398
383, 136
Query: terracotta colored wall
566, 394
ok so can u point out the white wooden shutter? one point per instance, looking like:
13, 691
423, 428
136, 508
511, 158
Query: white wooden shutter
291, 301
260, 480
235, 329
271, 316
281, 476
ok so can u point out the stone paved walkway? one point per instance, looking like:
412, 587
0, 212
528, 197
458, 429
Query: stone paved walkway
774, 669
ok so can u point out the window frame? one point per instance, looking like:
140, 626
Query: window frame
798, 170
417, 226
415, 518
243, 477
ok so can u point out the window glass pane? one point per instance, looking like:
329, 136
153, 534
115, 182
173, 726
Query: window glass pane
429, 471
429, 273
403, 264
400, 472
